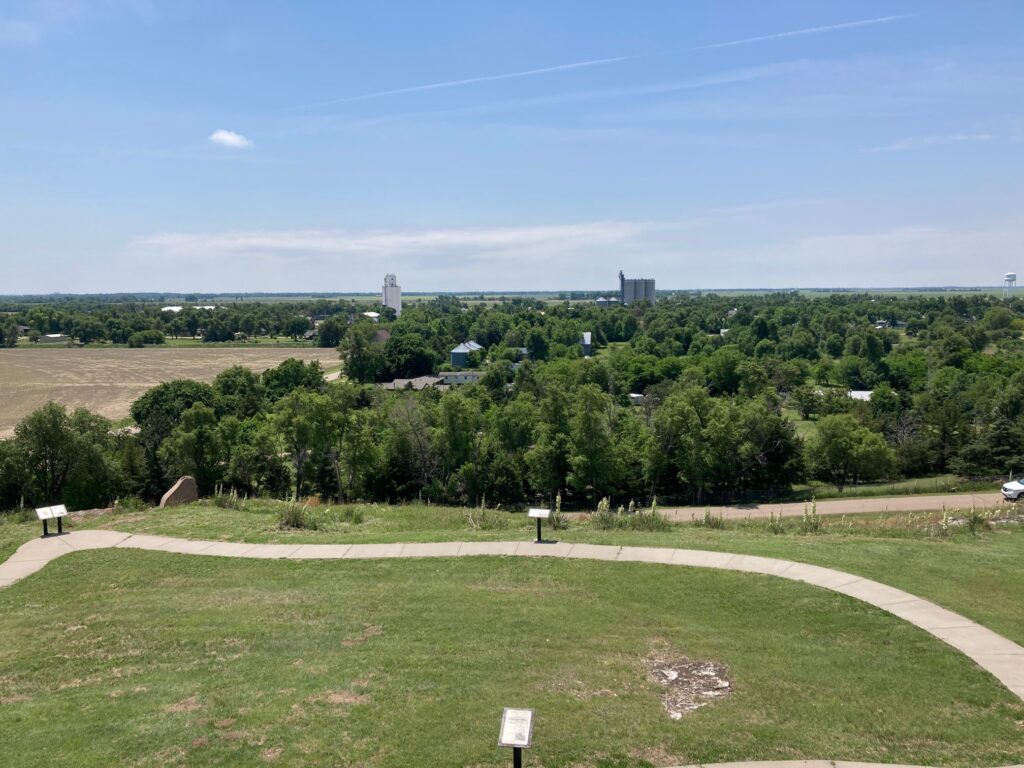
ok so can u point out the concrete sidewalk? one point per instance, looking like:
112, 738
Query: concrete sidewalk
1002, 658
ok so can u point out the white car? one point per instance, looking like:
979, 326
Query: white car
1013, 490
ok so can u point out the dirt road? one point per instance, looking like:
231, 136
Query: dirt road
853, 506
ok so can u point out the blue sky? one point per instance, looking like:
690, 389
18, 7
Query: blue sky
268, 146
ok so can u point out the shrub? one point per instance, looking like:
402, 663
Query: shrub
142, 338
647, 519
603, 519
711, 521
810, 521
129, 504
977, 521
293, 515
229, 500
558, 521
483, 519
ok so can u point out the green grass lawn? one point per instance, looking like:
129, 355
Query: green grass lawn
981, 577
147, 658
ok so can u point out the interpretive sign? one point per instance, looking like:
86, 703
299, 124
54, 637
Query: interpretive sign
52, 513
516, 728
49, 513
538, 515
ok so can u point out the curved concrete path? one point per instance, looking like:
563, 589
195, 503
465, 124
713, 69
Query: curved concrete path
1002, 658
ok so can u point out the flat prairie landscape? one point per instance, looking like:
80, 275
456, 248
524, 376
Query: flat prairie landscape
108, 380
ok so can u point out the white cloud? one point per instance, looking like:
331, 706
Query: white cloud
229, 139
739, 247
436, 244
920, 142
507, 257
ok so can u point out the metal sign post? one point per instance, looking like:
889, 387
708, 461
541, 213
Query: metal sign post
516, 732
540, 514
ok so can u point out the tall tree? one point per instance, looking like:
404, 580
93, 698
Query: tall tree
301, 418
593, 458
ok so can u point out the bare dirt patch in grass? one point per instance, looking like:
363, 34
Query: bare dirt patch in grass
272, 754
191, 704
344, 697
108, 380
369, 630
689, 684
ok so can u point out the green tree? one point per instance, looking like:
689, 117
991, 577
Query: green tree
547, 460
300, 418
806, 399
9, 334
13, 475
239, 392
296, 326
455, 437
363, 360
255, 465
157, 413
330, 332
66, 457
291, 375
407, 356
195, 448
593, 458
88, 329
841, 451
360, 454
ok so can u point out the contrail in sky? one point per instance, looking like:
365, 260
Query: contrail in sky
599, 62
808, 31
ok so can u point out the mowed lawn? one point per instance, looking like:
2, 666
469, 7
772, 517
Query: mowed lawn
980, 576
107, 380
119, 657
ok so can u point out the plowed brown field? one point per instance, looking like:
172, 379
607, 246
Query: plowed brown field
108, 380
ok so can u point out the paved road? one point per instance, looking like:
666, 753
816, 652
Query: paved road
1000, 657
851, 506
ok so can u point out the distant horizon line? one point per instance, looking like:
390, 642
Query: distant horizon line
492, 292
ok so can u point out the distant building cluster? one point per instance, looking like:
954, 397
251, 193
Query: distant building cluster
631, 289
636, 289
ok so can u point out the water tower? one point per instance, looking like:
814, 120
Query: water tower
1009, 283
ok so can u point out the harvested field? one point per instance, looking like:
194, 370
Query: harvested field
108, 380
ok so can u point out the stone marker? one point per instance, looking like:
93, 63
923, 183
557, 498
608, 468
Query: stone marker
182, 492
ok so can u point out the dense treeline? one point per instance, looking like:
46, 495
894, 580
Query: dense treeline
725, 381
135, 323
